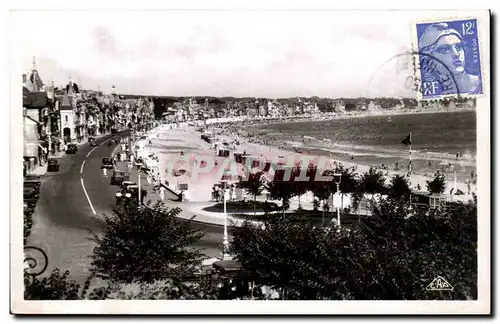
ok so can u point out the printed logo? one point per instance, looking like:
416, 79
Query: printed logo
439, 283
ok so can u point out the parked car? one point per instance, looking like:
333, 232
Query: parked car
107, 163
127, 183
53, 165
38, 182
30, 195
130, 193
71, 149
28, 209
119, 176
32, 184
126, 194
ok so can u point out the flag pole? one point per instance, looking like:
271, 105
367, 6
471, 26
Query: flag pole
411, 167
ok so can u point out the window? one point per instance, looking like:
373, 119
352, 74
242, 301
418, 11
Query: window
66, 118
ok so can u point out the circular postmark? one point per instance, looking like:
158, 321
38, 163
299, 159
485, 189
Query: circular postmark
413, 74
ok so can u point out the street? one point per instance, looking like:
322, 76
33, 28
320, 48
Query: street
65, 211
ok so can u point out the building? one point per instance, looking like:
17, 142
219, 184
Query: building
36, 121
67, 110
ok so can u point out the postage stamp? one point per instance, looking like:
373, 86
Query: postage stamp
449, 58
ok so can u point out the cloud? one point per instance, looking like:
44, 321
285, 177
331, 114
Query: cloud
217, 52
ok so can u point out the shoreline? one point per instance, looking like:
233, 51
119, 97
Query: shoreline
187, 138
258, 121
380, 156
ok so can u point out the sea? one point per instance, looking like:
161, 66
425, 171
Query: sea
444, 141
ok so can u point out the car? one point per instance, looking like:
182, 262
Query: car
93, 142
107, 163
127, 183
53, 165
32, 184
130, 192
30, 195
91, 138
119, 176
38, 182
71, 149
31, 177
28, 209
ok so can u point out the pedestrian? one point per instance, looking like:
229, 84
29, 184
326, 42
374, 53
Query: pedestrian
162, 193
104, 172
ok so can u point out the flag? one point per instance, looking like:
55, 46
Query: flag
407, 140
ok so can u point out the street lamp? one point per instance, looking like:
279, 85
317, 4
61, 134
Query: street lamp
225, 241
138, 165
337, 177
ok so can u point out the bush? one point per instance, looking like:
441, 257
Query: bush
55, 287
145, 244
28, 223
242, 206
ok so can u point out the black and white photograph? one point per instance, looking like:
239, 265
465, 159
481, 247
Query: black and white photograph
236, 161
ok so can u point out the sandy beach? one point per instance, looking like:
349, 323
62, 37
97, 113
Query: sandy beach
178, 147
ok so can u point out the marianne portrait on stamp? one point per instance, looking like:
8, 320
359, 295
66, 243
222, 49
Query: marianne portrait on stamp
447, 46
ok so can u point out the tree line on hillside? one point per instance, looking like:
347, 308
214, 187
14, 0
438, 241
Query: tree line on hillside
146, 252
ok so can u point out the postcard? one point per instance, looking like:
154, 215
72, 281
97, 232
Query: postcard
250, 162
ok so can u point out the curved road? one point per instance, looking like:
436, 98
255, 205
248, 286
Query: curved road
72, 203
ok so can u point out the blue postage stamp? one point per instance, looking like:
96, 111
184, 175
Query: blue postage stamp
449, 58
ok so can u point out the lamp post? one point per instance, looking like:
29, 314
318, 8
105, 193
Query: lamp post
138, 165
225, 241
337, 177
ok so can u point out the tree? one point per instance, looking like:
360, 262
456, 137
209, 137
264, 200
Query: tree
270, 256
300, 187
348, 182
322, 191
371, 182
254, 185
316, 204
281, 189
399, 186
145, 244
437, 185
395, 254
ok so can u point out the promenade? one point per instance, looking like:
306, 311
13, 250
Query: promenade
190, 210
175, 145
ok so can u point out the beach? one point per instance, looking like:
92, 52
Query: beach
178, 146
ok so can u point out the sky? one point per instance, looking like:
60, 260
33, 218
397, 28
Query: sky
220, 53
